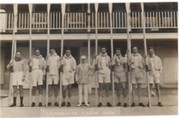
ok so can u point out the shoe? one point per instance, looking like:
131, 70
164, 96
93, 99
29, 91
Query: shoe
153, 94
100, 104
68, 104
141, 104
33, 104
63, 104
13, 105
125, 105
79, 105
118, 104
160, 104
21, 105
133, 104
40, 104
148, 105
109, 104
56, 104
86, 104
49, 104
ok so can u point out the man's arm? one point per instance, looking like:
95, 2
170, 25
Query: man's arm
9, 66
24, 70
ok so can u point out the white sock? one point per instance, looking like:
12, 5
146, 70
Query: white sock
40, 98
56, 99
68, 99
52, 99
33, 98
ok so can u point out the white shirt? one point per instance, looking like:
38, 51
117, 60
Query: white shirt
67, 65
37, 63
135, 62
104, 66
152, 64
53, 63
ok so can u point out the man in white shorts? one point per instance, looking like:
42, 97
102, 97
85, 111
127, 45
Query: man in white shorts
53, 65
69, 66
137, 74
155, 70
103, 64
118, 66
37, 65
18, 67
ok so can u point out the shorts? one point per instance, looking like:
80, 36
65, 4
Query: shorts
17, 78
68, 78
154, 77
53, 79
119, 77
37, 77
104, 77
137, 77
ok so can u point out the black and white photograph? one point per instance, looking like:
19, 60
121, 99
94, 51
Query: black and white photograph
72, 59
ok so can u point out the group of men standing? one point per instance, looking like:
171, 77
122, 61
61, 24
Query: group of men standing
81, 74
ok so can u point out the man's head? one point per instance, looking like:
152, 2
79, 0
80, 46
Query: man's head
83, 59
68, 52
37, 52
18, 55
134, 50
151, 51
52, 51
103, 50
118, 51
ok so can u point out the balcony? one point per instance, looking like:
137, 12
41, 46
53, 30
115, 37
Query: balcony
75, 22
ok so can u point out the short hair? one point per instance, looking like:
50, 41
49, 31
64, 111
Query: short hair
151, 49
118, 49
134, 47
18, 52
68, 49
103, 47
36, 49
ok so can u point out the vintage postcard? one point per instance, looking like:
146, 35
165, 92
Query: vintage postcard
88, 59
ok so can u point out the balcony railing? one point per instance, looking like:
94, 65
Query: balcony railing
153, 20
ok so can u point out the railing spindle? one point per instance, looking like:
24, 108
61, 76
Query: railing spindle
125, 20
122, 19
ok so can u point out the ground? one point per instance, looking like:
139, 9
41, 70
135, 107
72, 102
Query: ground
169, 100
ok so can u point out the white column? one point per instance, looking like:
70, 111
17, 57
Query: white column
112, 52
63, 7
48, 47
145, 51
30, 50
96, 52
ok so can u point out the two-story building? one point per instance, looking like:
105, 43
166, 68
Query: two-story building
85, 28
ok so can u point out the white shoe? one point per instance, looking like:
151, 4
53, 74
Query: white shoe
87, 105
79, 105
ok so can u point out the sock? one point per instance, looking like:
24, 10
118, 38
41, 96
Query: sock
33, 98
21, 100
40, 98
68, 99
56, 99
51, 99
14, 100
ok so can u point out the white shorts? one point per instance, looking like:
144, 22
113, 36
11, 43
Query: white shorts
154, 77
37, 77
53, 79
68, 78
104, 77
17, 78
137, 77
119, 77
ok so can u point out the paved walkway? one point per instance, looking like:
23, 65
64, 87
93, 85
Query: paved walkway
169, 100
